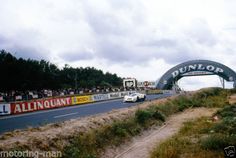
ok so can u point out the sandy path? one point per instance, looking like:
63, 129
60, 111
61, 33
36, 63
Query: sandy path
141, 146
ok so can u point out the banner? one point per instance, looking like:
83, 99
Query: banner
34, 105
114, 95
150, 84
154, 91
42, 104
81, 99
5, 109
122, 94
100, 97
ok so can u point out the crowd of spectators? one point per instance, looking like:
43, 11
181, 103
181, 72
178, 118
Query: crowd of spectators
13, 96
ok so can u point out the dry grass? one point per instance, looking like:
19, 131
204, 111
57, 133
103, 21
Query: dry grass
232, 99
60, 135
205, 137
65, 130
187, 142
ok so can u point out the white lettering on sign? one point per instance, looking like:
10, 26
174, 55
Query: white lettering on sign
114, 95
195, 73
39, 105
196, 67
5, 109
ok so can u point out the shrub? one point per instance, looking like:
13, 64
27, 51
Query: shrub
142, 116
218, 142
90, 145
182, 102
227, 111
158, 115
119, 130
168, 108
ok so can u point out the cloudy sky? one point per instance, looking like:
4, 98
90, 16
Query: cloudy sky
133, 38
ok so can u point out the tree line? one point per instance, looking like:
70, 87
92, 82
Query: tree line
22, 74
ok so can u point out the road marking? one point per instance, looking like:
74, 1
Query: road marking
56, 109
58, 116
65, 108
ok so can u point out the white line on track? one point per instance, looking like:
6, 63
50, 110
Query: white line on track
58, 116
56, 109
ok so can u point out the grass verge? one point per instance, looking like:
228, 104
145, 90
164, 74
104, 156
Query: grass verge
91, 145
201, 138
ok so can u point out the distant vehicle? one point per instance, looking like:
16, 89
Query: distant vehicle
134, 97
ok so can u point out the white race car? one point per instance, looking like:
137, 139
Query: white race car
134, 97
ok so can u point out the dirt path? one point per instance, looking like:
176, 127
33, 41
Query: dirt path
141, 146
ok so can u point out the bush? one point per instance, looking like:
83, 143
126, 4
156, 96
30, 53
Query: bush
228, 123
168, 108
158, 115
218, 142
227, 111
213, 143
118, 130
91, 144
182, 102
142, 116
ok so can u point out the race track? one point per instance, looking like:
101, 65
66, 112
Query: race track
34, 119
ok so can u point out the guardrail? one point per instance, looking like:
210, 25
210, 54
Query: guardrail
56, 102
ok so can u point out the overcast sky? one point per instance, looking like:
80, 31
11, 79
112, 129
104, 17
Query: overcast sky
133, 38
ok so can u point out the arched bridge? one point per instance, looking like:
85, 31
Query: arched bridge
195, 68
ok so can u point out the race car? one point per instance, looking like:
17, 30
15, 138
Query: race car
134, 97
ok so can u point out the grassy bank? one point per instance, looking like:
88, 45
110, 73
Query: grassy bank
204, 137
91, 144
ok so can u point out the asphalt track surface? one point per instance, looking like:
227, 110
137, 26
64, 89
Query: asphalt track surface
35, 119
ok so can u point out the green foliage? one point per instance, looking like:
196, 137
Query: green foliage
149, 114
228, 123
224, 131
158, 115
21, 74
227, 111
142, 116
92, 143
168, 108
182, 102
200, 138
213, 97
218, 142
